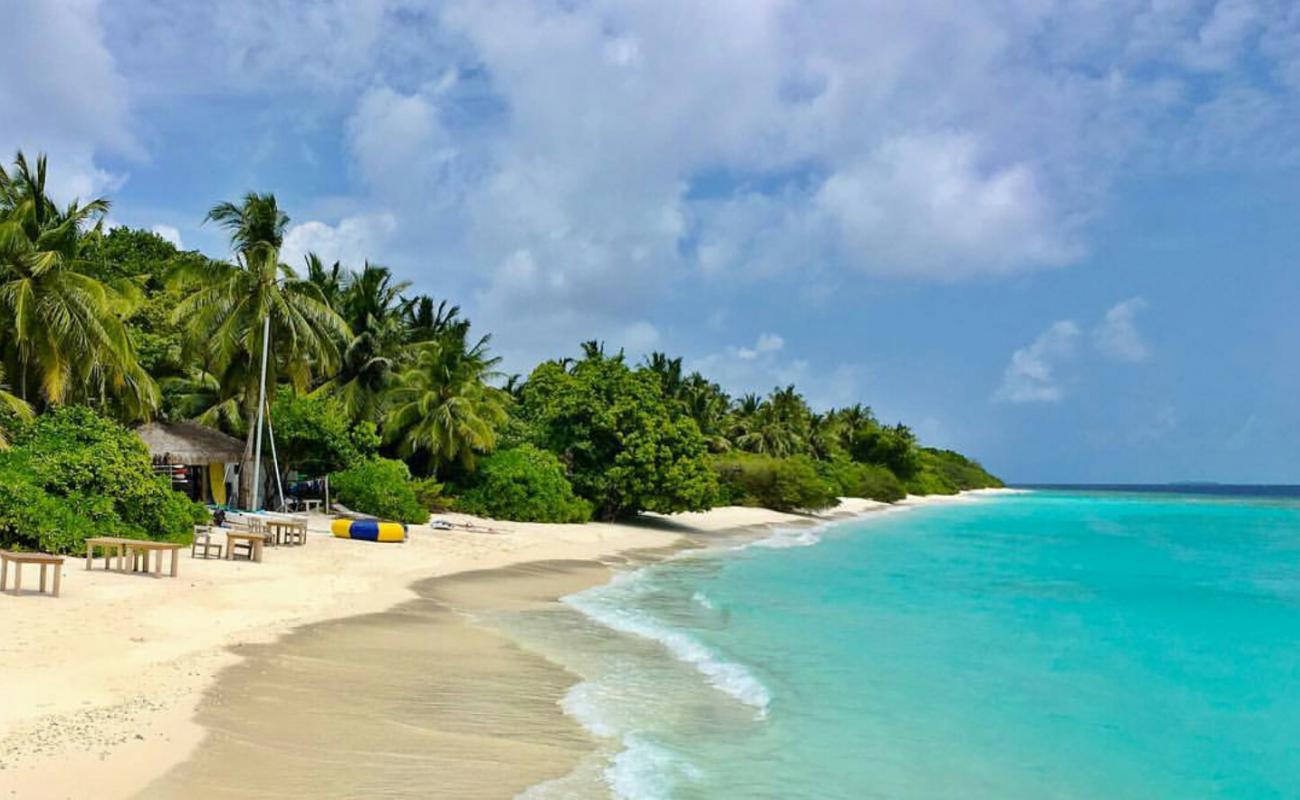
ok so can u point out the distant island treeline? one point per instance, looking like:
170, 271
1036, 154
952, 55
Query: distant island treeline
1185, 487
385, 390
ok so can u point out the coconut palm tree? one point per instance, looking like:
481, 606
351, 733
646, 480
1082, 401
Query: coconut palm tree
442, 407
330, 280
14, 405
225, 305
372, 305
424, 322
61, 330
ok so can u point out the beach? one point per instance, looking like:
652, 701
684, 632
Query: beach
107, 689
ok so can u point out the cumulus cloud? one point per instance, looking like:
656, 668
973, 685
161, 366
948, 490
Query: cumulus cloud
924, 206
62, 95
766, 343
1117, 336
170, 234
353, 240
575, 163
1031, 376
1033, 373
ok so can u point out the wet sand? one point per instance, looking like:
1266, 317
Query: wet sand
412, 702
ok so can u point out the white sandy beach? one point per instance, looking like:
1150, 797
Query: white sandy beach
100, 686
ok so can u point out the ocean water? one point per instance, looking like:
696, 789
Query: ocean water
1040, 645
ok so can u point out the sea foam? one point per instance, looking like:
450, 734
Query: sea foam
728, 677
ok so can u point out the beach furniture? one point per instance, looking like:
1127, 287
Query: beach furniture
203, 541
45, 560
134, 555
368, 530
111, 546
285, 528
248, 541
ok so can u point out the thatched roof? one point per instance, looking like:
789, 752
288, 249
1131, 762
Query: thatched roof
189, 443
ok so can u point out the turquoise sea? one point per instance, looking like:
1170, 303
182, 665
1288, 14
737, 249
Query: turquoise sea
1051, 644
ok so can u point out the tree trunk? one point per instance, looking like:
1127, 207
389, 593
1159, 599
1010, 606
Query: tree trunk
246, 463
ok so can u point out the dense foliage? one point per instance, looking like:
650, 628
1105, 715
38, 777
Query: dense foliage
627, 449
73, 474
783, 484
124, 323
381, 487
314, 435
523, 483
855, 479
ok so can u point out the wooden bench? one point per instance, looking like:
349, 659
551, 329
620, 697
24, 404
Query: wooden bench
133, 554
18, 559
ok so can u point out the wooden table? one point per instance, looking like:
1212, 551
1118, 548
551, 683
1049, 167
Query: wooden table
255, 539
309, 505
113, 547
18, 559
284, 529
132, 549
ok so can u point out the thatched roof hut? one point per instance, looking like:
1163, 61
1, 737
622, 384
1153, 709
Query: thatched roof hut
189, 443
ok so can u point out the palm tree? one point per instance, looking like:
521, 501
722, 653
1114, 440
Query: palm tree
225, 306
372, 305
709, 406
669, 371
778, 426
60, 328
442, 406
331, 281
14, 405
424, 322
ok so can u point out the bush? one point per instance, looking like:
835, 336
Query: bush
381, 487
870, 481
781, 484
431, 495
73, 474
526, 484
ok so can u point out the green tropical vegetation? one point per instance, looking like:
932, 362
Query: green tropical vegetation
73, 473
523, 483
386, 390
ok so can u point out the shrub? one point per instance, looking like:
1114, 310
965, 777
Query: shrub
381, 487
781, 484
526, 484
871, 481
73, 474
431, 495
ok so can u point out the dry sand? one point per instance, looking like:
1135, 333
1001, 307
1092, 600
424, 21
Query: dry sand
101, 689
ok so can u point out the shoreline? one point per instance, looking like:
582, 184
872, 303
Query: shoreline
116, 669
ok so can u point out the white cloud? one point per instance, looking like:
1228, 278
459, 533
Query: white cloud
62, 95
1117, 336
766, 343
170, 234
399, 145
353, 240
923, 206
1030, 377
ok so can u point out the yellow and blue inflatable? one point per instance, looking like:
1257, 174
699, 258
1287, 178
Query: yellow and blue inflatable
369, 530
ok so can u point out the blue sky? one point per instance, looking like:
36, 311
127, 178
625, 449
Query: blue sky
1061, 236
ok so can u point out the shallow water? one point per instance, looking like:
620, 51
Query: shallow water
1051, 644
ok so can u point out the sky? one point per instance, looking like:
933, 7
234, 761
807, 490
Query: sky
1059, 236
